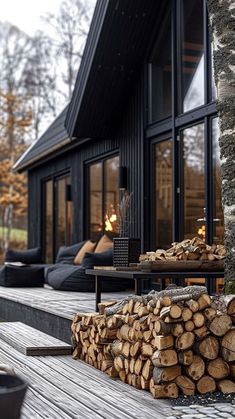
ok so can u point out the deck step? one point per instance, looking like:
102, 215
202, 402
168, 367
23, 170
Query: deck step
32, 342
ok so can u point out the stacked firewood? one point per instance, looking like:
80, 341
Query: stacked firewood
168, 342
189, 249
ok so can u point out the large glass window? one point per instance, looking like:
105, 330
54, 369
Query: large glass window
192, 54
103, 197
160, 73
163, 193
48, 221
194, 181
218, 217
58, 215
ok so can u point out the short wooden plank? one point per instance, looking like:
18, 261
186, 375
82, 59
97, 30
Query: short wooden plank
31, 341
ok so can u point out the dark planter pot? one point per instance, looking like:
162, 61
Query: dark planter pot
12, 392
125, 251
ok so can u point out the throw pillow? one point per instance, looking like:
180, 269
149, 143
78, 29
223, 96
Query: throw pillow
66, 254
25, 256
98, 259
88, 246
104, 244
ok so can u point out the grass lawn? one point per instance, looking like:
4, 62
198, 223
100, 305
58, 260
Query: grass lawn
17, 234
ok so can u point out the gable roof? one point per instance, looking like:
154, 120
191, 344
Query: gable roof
56, 136
118, 40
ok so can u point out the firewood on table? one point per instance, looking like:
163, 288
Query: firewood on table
165, 358
166, 374
185, 357
147, 370
218, 369
163, 391
228, 346
163, 342
186, 385
206, 384
196, 369
220, 325
208, 347
185, 341
226, 386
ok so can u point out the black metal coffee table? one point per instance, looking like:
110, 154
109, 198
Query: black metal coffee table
138, 275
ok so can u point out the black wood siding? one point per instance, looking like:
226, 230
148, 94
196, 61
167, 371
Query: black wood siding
128, 140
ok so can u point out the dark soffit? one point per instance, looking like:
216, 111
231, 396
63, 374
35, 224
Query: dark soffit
117, 44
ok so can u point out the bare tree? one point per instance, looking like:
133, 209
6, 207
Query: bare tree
70, 27
222, 23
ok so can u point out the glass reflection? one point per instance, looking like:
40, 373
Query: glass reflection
194, 180
160, 95
192, 54
95, 180
163, 193
48, 221
111, 172
218, 220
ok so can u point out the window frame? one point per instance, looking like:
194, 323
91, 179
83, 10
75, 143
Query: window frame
88, 164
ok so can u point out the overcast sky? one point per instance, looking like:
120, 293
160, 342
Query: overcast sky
26, 13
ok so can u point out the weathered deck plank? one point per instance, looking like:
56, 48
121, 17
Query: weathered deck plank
63, 388
32, 342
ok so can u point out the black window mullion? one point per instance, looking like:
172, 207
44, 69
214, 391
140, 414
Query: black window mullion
209, 180
207, 58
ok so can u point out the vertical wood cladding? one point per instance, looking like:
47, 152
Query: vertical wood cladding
127, 139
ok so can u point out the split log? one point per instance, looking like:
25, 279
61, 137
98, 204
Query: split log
185, 341
201, 332
177, 329
220, 325
174, 311
193, 305
144, 383
119, 363
185, 357
147, 370
163, 342
161, 327
208, 347
206, 384
163, 391
196, 369
204, 301
146, 349
218, 369
186, 314
102, 306
135, 349
198, 319
226, 386
228, 346
166, 374
116, 348
166, 358
138, 366
186, 385
189, 326
210, 313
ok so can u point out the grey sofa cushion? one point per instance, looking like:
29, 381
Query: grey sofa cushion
74, 278
66, 254
29, 256
98, 259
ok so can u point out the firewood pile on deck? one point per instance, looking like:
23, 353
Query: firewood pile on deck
172, 342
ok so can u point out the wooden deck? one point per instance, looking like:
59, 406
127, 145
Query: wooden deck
62, 388
46, 309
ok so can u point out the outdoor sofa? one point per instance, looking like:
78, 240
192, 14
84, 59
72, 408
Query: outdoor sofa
64, 274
